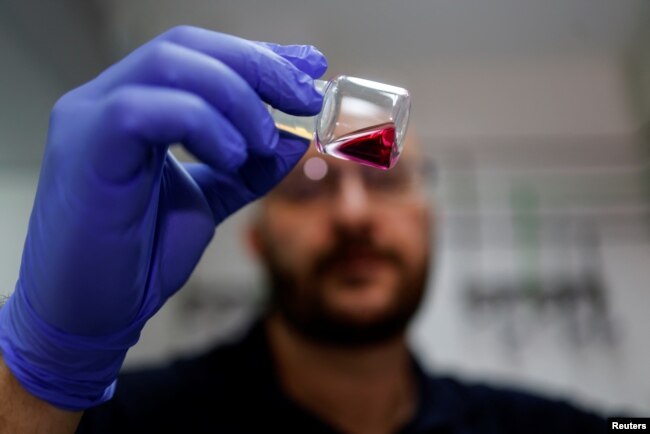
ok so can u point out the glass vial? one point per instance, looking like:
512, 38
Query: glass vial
362, 121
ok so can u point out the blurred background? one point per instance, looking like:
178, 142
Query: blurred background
537, 115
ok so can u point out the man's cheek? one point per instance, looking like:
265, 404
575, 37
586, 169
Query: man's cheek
417, 229
307, 239
295, 248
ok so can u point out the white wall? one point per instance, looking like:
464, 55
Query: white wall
27, 92
17, 187
591, 216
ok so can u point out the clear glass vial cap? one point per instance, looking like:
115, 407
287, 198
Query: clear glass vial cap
362, 121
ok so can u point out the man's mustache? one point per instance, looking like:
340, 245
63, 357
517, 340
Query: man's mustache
347, 248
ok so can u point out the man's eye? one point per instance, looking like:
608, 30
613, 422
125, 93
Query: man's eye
388, 180
302, 190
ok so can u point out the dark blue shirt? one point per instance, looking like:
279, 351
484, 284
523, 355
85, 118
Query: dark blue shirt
233, 389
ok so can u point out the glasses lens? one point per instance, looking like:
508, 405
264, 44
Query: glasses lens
315, 179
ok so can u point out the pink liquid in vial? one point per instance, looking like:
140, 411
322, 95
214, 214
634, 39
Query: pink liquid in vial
373, 146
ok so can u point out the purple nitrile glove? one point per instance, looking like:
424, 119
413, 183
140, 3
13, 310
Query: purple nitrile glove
118, 224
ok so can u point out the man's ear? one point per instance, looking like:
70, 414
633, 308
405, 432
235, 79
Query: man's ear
253, 237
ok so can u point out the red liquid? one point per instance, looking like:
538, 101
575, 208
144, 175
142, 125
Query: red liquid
374, 146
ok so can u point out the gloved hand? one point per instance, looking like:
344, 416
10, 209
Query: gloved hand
118, 224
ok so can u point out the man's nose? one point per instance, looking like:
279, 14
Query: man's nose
351, 207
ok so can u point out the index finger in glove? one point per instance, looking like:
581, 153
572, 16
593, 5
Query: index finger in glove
277, 80
307, 58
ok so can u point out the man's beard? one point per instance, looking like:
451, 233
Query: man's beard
302, 306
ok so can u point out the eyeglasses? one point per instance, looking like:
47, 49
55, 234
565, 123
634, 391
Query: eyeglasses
316, 180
